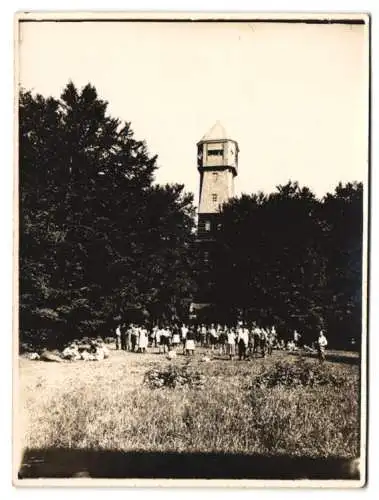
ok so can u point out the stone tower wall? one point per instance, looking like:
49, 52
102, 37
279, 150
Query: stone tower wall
217, 184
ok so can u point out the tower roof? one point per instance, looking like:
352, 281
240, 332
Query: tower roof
215, 133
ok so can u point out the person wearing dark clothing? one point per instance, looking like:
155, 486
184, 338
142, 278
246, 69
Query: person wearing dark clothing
123, 337
133, 338
190, 343
243, 341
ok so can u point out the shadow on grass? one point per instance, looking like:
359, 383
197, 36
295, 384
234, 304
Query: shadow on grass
65, 463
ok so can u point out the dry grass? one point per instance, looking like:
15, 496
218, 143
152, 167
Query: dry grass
106, 406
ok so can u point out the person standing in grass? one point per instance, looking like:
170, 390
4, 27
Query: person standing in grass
160, 336
246, 337
250, 345
321, 346
133, 337
213, 337
184, 331
222, 338
123, 337
175, 337
154, 336
264, 342
242, 341
190, 343
168, 337
128, 337
271, 337
165, 339
296, 338
157, 337
231, 344
256, 338
203, 335
142, 339
118, 337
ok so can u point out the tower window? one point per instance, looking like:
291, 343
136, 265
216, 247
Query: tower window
215, 152
207, 225
214, 197
206, 257
215, 176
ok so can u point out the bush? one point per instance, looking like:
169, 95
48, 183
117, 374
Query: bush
173, 376
300, 373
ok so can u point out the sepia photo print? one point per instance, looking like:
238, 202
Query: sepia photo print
191, 240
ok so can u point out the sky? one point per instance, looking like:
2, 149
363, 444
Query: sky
294, 96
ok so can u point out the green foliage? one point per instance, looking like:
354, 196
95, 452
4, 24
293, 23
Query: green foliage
292, 260
174, 376
301, 373
97, 238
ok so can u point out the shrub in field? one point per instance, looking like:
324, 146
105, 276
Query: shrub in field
173, 376
300, 373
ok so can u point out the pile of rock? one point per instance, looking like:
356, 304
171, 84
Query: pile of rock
94, 350
85, 350
50, 356
33, 356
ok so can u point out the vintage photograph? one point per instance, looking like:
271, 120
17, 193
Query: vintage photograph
192, 215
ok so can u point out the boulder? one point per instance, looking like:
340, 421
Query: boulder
71, 353
84, 347
105, 351
50, 356
98, 355
33, 356
85, 356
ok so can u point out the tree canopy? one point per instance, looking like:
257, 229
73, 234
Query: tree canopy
98, 239
291, 260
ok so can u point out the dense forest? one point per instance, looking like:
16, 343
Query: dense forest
292, 260
100, 240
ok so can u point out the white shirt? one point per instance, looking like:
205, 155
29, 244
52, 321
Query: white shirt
142, 341
243, 335
322, 342
184, 331
231, 338
118, 331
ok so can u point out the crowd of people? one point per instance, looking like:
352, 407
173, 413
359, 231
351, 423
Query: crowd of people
241, 340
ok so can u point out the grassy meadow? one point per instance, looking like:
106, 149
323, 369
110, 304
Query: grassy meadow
107, 406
